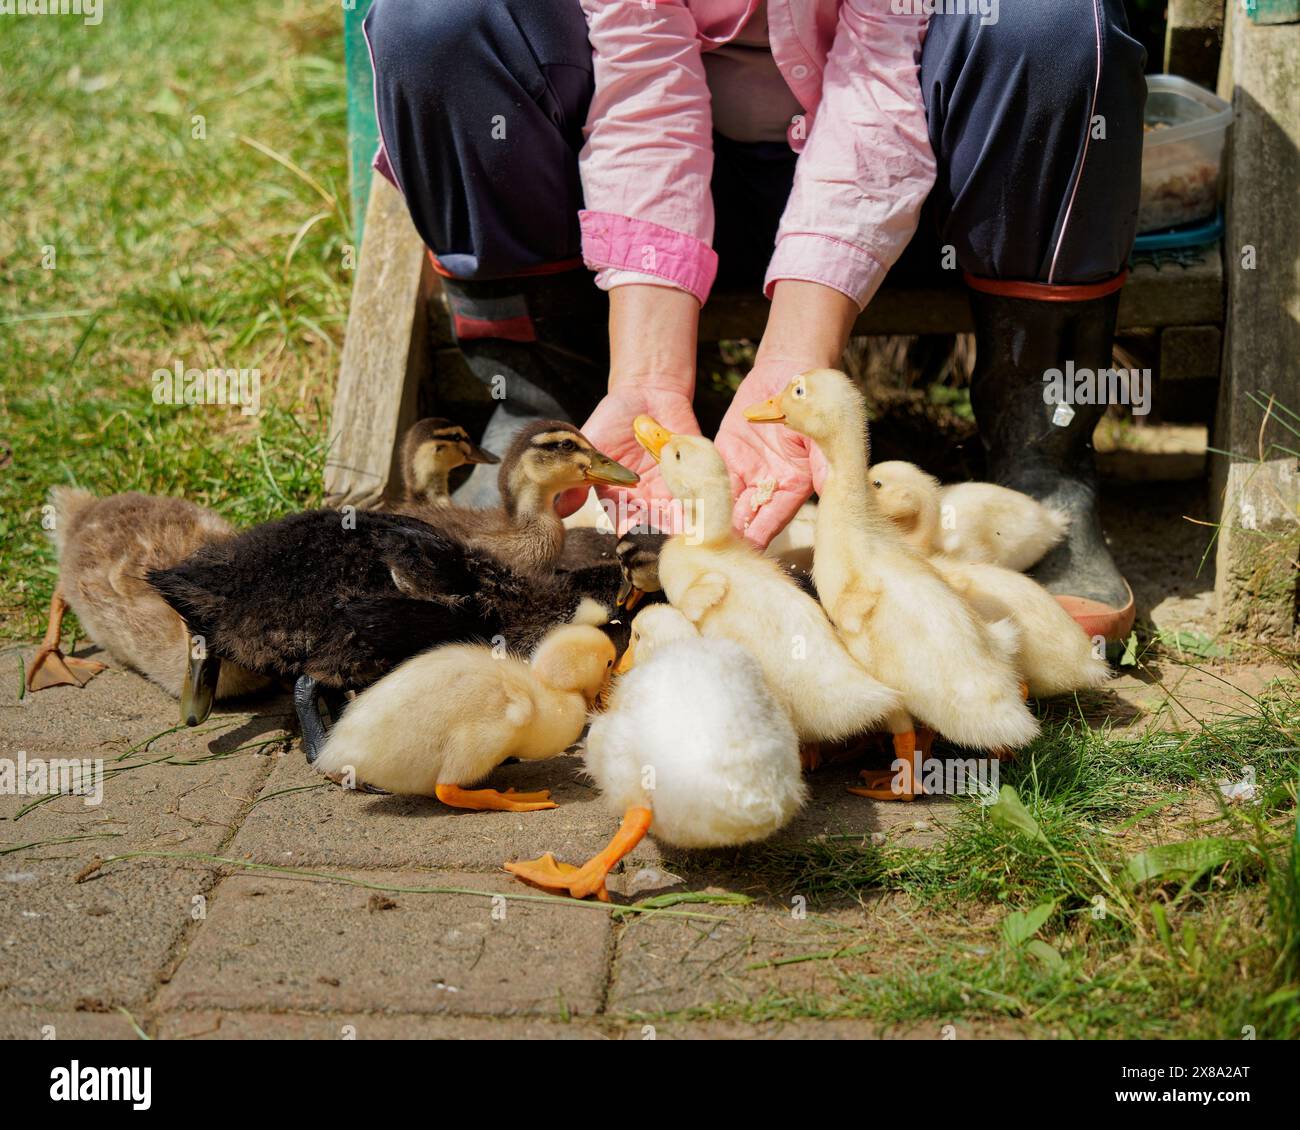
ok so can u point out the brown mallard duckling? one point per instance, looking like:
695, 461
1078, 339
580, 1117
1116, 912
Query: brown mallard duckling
634, 558
431, 449
105, 547
546, 458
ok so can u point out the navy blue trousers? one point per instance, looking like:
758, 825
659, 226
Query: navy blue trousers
1011, 107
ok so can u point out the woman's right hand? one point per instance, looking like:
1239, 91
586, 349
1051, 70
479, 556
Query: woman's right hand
610, 428
652, 335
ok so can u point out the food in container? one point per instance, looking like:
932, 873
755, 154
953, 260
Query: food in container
1185, 127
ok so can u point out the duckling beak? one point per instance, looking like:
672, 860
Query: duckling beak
475, 454
651, 435
769, 412
629, 596
626, 661
604, 470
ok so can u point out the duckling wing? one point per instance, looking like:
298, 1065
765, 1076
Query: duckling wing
426, 564
372, 635
291, 596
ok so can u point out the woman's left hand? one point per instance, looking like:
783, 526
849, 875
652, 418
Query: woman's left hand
773, 469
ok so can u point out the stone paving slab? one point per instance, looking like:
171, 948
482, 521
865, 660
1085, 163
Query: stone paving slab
216, 1025
119, 709
157, 807
272, 943
60, 1024
335, 827
91, 945
668, 964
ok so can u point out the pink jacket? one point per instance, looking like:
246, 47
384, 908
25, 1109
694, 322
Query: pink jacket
865, 163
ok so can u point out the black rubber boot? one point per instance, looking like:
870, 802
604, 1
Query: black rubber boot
1017, 341
560, 374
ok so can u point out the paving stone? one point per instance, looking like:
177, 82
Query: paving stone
813, 1029
337, 827
91, 945
668, 964
331, 826
119, 709
214, 1025
272, 943
60, 1024
164, 807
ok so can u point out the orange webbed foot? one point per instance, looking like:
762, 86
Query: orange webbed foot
51, 668
491, 800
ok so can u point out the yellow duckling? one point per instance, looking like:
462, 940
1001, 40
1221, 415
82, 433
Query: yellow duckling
980, 522
446, 718
105, 548
728, 589
985, 523
693, 748
897, 615
1054, 655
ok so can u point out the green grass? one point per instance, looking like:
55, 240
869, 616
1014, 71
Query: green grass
229, 250
225, 249
1130, 901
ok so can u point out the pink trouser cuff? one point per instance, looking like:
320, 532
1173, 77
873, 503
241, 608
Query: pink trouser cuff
610, 240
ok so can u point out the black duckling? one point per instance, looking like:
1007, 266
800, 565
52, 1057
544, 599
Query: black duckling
546, 459
337, 599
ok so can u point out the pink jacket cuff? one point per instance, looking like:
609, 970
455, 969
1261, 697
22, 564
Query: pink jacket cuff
610, 240
826, 260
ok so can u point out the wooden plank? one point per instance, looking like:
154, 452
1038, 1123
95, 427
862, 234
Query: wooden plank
1190, 353
1257, 487
1193, 38
1171, 294
385, 354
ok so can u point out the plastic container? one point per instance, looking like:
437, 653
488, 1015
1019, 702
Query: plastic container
1182, 151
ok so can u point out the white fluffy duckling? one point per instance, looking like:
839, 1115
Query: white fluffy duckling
1053, 655
979, 522
730, 590
897, 615
445, 719
692, 748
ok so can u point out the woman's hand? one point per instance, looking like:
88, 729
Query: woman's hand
652, 334
610, 429
773, 469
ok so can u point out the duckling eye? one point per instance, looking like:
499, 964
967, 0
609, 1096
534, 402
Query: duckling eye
678, 456
875, 483
609, 664
799, 392
568, 446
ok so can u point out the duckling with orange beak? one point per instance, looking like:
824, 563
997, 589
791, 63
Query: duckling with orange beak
896, 614
693, 748
730, 590
446, 718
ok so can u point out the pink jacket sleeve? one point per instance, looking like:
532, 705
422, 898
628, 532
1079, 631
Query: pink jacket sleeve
648, 157
867, 166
